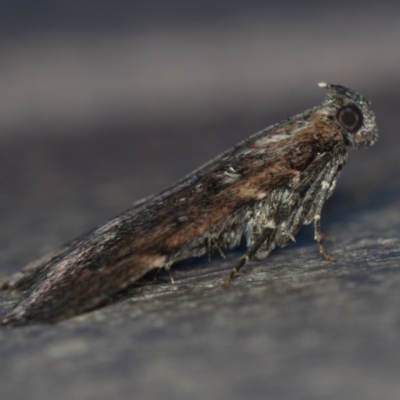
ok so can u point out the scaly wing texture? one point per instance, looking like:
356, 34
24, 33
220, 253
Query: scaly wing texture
215, 203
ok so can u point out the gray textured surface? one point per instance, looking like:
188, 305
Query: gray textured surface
291, 327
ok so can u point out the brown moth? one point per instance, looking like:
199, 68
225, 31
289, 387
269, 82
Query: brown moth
265, 188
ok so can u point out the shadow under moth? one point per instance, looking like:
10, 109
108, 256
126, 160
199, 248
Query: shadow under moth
263, 189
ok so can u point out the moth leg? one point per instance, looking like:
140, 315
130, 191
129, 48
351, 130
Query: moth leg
219, 249
285, 229
209, 249
267, 235
327, 238
157, 275
211, 243
318, 236
167, 267
327, 187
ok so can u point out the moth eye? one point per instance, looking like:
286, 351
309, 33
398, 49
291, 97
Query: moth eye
350, 117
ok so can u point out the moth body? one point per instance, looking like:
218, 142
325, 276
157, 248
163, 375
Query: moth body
263, 189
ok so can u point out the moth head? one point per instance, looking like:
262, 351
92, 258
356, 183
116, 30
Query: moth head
353, 113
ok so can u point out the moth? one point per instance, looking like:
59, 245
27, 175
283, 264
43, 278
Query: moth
263, 189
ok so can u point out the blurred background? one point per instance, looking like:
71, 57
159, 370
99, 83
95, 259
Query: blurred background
72, 67
105, 102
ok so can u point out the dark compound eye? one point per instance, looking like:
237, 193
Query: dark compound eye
350, 117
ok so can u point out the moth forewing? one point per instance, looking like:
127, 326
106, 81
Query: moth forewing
265, 188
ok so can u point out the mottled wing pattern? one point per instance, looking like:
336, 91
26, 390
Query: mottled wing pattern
213, 204
264, 188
